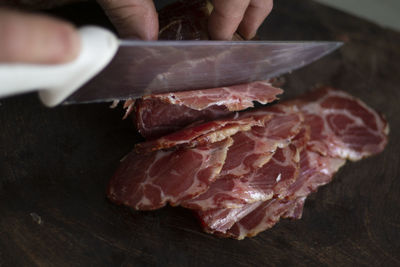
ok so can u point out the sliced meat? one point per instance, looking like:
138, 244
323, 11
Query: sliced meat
221, 220
271, 179
296, 210
272, 164
208, 132
316, 170
234, 98
161, 114
250, 219
341, 125
149, 181
155, 118
263, 217
247, 159
252, 149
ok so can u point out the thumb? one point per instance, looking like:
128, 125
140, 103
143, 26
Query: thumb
31, 38
133, 18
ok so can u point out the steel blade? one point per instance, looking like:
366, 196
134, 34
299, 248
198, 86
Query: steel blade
140, 68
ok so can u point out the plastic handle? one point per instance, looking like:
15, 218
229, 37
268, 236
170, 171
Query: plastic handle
56, 82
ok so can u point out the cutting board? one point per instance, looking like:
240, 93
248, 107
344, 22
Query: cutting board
55, 164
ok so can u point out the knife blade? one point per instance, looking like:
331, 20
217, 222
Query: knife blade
141, 68
109, 69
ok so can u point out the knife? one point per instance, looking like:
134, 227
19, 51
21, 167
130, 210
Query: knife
110, 69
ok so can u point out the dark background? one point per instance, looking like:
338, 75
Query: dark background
55, 164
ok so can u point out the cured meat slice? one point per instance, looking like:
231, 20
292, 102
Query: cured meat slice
316, 170
255, 183
223, 222
296, 210
149, 181
250, 219
249, 152
205, 132
271, 179
235, 222
155, 118
341, 125
263, 217
220, 220
234, 98
254, 148
160, 114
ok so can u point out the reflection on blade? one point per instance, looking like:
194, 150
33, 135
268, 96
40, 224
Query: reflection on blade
141, 68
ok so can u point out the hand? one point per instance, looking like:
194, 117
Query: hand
33, 38
138, 18
133, 18
242, 15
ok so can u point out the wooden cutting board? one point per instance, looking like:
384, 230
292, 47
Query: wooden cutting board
55, 164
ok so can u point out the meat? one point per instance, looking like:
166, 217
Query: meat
254, 148
263, 217
205, 132
149, 181
203, 146
239, 170
161, 114
234, 98
244, 172
317, 165
155, 118
220, 220
211, 218
341, 125
248, 220
251, 150
295, 211
260, 185
316, 170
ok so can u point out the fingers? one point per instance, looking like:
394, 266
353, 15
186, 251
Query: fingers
226, 17
133, 18
242, 15
33, 38
254, 16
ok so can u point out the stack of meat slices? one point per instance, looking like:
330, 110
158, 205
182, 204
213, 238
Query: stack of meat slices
240, 172
157, 115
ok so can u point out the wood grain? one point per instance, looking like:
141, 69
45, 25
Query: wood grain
55, 164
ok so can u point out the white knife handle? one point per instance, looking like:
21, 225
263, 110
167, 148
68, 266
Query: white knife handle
56, 82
